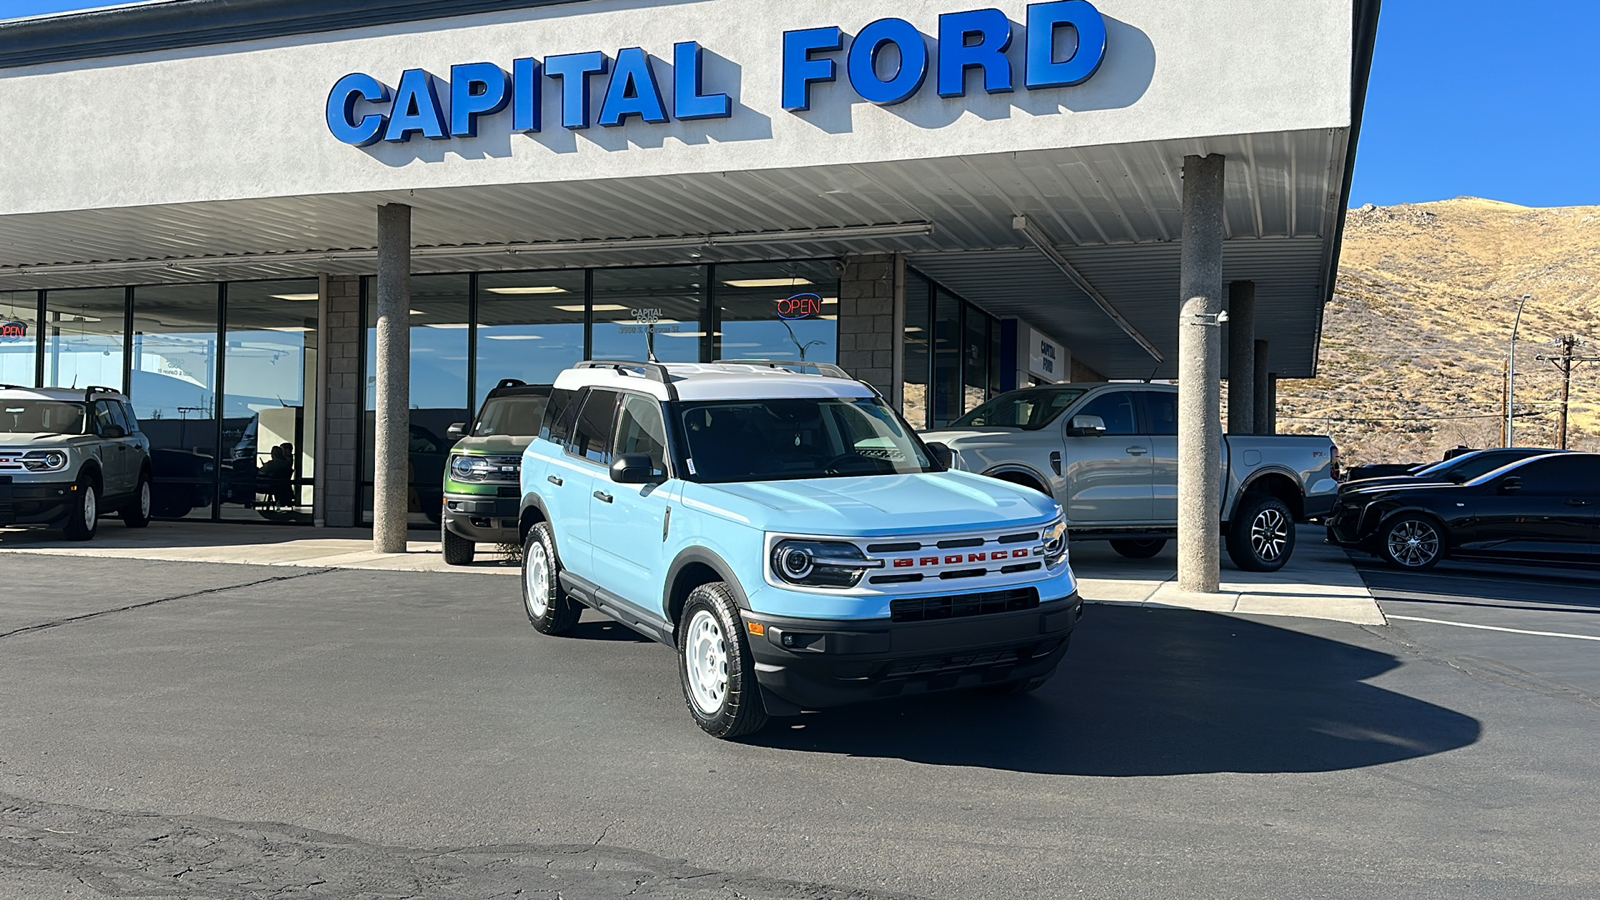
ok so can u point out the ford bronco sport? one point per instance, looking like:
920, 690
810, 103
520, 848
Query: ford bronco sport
480, 479
790, 536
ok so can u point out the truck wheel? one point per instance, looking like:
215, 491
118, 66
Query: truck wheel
84, 516
1261, 535
1411, 542
458, 551
1134, 548
715, 665
137, 513
549, 609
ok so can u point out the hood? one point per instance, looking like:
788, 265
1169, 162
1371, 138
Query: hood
32, 441
494, 445
1368, 485
877, 505
971, 437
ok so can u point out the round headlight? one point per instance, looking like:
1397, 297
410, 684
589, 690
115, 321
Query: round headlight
55, 459
795, 562
464, 468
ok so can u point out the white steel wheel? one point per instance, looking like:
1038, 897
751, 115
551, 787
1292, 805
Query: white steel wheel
1269, 534
706, 661
536, 574
549, 609
1412, 543
91, 505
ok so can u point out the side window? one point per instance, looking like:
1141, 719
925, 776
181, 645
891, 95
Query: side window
591, 431
1116, 409
1558, 476
1160, 411
558, 415
128, 417
641, 429
104, 417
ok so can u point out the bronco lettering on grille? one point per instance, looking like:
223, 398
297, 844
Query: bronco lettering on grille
956, 559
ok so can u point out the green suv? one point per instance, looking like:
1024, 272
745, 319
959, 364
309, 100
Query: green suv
67, 455
481, 498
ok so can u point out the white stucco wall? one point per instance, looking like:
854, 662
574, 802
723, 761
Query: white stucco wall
246, 120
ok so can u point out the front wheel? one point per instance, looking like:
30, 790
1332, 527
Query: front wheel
84, 516
458, 551
715, 665
549, 609
137, 513
1411, 542
1134, 548
1261, 535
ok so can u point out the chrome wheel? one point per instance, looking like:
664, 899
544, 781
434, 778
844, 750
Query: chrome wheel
536, 574
705, 659
1413, 543
1269, 534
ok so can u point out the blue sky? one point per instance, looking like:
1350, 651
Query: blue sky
1475, 98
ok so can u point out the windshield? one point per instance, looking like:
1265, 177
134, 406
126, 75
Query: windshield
1468, 466
518, 416
778, 440
1029, 409
41, 417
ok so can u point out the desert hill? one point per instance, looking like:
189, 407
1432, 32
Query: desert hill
1415, 339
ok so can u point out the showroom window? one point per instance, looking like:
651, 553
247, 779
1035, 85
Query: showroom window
951, 351
632, 305
19, 337
530, 327
915, 343
787, 311
174, 392
85, 331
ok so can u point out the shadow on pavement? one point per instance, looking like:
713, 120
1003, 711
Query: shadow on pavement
1165, 692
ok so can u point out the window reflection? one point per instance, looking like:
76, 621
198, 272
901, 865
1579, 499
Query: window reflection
19, 336
530, 326
778, 311
174, 392
84, 340
919, 294
947, 341
625, 300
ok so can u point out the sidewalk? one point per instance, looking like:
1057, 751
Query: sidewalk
1318, 583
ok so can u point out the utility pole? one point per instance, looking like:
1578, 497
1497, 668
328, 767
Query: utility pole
1565, 362
1511, 376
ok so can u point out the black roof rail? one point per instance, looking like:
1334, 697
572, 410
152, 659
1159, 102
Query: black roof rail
510, 382
799, 368
654, 371
93, 389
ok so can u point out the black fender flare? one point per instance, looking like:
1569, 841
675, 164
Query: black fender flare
700, 555
1258, 476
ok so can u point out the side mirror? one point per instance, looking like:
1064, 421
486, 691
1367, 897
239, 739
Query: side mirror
113, 432
457, 430
1510, 485
942, 454
1455, 478
633, 468
1086, 426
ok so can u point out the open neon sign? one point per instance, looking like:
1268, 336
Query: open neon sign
800, 306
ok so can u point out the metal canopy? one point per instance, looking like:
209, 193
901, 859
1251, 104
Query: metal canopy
1112, 211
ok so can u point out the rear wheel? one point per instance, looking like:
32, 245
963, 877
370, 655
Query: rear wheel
84, 516
1139, 548
1411, 542
458, 551
1261, 535
549, 609
715, 665
137, 513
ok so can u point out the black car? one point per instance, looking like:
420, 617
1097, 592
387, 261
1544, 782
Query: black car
1542, 508
1457, 470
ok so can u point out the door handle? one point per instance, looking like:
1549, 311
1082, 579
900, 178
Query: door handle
1137, 451
554, 480
602, 496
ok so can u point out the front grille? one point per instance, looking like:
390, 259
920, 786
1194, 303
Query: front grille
507, 492
925, 609
952, 663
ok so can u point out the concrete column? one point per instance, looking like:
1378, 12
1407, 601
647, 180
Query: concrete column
1200, 376
392, 366
338, 473
1272, 404
1241, 357
1263, 394
868, 338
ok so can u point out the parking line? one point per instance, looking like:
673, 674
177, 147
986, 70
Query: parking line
1581, 637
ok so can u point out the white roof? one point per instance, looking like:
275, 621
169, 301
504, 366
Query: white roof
714, 381
71, 395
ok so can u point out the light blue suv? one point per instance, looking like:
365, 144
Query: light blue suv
790, 536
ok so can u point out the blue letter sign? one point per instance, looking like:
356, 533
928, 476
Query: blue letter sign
574, 70
956, 56
1044, 21
476, 89
342, 108
800, 70
416, 108
864, 61
633, 91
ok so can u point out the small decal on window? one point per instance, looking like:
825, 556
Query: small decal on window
691, 467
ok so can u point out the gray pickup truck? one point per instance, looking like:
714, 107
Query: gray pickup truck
1108, 453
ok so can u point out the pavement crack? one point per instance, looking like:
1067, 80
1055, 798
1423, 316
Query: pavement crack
1485, 669
57, 623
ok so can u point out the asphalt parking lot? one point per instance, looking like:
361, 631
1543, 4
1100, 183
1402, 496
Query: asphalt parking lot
198, 730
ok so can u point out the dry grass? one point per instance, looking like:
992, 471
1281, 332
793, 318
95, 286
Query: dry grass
1415, 340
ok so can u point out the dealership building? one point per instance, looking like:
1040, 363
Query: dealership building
338, 224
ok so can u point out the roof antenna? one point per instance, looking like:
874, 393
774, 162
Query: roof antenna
1153, 374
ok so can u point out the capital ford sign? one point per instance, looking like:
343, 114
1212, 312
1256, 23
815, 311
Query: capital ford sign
362, 110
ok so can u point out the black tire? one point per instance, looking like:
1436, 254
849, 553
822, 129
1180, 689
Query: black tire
549, 609
458, 551
136, 514
715, 666
1261, 535
83, 517
1411, 541
1139, 548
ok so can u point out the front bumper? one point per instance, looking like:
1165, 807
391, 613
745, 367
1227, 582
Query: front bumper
1345, 527
484, 519
36, 503
812, 663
